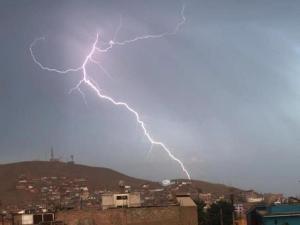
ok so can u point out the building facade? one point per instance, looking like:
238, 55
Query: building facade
284, 214
167, 215
121, 200
35, 219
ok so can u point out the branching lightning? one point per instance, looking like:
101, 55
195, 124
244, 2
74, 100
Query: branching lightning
85, 80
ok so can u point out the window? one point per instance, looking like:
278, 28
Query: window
37, 218
48, 217
122, 197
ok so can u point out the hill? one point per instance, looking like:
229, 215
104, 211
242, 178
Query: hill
97, 179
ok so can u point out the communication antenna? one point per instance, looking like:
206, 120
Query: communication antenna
51, 154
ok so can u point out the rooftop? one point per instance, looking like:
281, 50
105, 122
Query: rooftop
186, 201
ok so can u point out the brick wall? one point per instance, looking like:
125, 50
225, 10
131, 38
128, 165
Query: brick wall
173, 215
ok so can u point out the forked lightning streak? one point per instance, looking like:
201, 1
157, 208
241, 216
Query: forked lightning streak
92, 85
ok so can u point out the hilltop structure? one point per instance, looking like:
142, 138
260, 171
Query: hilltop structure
52, 158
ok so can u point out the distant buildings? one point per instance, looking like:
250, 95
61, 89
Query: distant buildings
206, 198
56, 191
173, 197
253, 197
122, 209
271, 198
239, 208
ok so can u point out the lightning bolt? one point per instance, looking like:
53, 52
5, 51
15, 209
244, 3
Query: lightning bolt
85, 80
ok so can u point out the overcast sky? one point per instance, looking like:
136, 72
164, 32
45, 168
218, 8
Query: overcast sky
223, 93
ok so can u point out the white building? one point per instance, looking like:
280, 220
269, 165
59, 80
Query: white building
30, 219
239, 208
121, 200
255, 200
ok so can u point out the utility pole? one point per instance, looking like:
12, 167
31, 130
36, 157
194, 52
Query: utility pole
233, 218
51, 154
221, 216
232, 203
2, 215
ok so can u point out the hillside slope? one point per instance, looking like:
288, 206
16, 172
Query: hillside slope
98, 179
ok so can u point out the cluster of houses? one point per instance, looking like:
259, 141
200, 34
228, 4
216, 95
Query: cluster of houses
56, 190
68, 192
74, 192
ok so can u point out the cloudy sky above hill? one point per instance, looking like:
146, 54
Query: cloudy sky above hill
223, 93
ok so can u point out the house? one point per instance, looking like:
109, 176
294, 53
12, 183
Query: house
121, 200
206, 198
252, 197
283, 214
238, 208
35, 218
185, 200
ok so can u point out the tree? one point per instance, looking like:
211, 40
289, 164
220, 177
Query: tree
220, 211
202, 215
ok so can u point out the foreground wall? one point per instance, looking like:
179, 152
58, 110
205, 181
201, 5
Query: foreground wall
173, 215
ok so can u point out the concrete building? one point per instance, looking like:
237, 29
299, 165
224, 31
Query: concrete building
252, 197
255, 200
284, 214
31, 219
125, 200
183, 214
238, 208
185, 201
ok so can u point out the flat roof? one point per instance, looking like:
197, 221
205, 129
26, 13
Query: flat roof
185, 201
